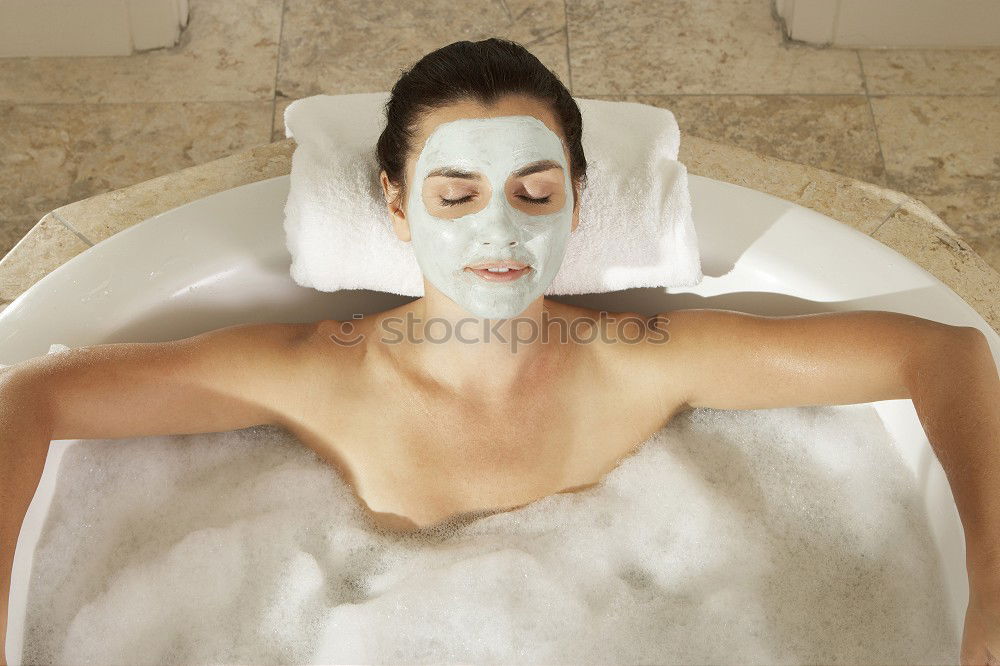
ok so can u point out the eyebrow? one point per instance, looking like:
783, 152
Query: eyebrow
534, 167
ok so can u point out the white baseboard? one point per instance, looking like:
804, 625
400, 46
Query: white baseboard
88, 27
893, 23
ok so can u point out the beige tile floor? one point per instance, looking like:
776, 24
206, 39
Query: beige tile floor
926, 122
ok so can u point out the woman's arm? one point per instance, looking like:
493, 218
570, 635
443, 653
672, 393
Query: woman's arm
20, 470
224, 379
956, 394
221, 380
732, 360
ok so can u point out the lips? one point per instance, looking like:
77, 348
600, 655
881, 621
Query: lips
513, 265
513, 270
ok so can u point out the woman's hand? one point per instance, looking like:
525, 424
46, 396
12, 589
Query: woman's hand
981, 635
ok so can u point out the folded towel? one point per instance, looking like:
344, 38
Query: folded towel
635, 229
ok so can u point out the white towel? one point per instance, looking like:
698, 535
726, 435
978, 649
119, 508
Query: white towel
635, 229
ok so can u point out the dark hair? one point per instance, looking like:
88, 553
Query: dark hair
484, 72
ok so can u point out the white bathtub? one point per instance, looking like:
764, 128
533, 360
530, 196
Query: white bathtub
222, 260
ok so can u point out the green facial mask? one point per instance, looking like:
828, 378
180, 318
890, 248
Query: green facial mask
495, 148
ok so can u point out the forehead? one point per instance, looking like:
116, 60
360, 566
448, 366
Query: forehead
527, 133
499, 143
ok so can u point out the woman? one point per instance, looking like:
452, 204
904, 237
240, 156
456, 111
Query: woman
483, 395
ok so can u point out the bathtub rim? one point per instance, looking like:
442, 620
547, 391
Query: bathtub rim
52, 281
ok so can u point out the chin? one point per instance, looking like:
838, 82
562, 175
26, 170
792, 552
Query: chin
499, 310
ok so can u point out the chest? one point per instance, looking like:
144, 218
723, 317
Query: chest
414, 458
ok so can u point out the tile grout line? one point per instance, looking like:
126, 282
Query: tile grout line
836, 22
68, 226
871, 114
887, 218
878, 143
277, 67
787, 94
569, 62
613, 93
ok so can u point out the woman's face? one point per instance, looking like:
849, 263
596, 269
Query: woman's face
489, 185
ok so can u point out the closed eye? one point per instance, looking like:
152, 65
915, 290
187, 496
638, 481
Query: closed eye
455, 202
543, 200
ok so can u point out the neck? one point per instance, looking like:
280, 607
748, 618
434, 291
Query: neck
469, 355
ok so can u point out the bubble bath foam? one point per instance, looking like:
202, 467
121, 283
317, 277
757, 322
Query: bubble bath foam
788, 535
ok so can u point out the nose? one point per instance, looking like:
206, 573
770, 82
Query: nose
499, 233
497, 226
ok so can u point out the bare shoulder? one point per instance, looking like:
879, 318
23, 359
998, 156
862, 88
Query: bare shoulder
631, 351
671, 355
335, 349
266, 363
338, 340
611, 329
255, 345
666, 356
263, 355
588, 325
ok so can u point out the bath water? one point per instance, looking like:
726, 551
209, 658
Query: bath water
779, 536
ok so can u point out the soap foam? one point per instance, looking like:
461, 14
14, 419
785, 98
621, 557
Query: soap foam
761, 536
